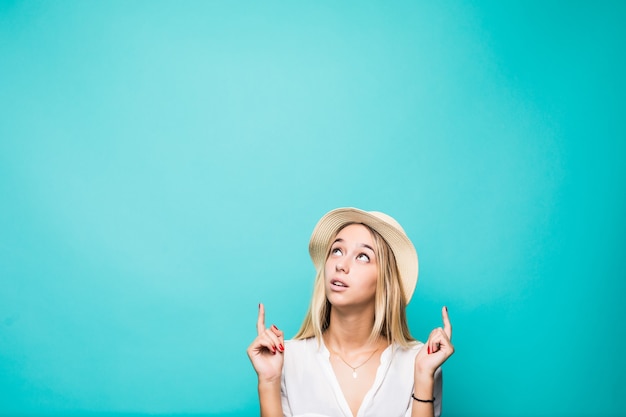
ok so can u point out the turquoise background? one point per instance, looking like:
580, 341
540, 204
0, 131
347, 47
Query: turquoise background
162, 165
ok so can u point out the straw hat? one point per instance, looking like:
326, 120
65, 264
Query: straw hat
386, 226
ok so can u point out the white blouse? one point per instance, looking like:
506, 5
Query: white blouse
310, 387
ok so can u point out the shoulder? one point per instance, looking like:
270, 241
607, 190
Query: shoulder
406, 352
301, 343
301, 357
299, 347
412, 348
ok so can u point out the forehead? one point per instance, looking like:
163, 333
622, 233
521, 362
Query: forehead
356, 233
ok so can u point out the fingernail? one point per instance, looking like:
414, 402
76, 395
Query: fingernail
428, 350
281, 347
273, 350
446, 307
274, 327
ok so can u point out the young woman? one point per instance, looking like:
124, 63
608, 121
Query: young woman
354, 355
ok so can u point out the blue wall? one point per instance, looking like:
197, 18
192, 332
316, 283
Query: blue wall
162, 165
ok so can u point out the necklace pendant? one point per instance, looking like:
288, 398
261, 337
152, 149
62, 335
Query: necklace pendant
354, 374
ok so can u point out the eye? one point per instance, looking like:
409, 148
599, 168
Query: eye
363, 257
336, 252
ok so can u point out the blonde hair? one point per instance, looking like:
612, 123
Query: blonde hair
389, 307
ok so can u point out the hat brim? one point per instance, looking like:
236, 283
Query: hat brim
386, 226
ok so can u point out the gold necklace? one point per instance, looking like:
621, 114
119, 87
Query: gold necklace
354, 368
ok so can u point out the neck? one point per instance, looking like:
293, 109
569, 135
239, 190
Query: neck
350, 331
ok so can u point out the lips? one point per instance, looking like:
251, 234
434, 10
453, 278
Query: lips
338, 283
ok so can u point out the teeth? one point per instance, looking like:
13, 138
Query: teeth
338, 284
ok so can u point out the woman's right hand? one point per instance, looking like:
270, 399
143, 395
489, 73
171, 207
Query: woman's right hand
266, 351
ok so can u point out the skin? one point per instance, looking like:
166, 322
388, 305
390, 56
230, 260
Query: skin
351, 274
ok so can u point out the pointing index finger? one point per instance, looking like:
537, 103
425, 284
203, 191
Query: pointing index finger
260, 323
447, 327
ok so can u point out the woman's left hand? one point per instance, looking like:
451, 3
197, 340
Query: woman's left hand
437, 349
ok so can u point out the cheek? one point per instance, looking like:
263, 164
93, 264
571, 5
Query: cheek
328, 267
372, 276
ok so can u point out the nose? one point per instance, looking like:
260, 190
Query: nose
342, 265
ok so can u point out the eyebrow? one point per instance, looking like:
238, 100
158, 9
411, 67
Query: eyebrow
363, 245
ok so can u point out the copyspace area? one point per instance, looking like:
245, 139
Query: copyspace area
162, 165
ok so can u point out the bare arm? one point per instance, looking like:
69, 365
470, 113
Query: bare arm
266, 355
433, 354
269, 399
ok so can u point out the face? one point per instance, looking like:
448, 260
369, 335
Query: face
351, 269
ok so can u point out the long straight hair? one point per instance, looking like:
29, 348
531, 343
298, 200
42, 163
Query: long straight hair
390, 308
